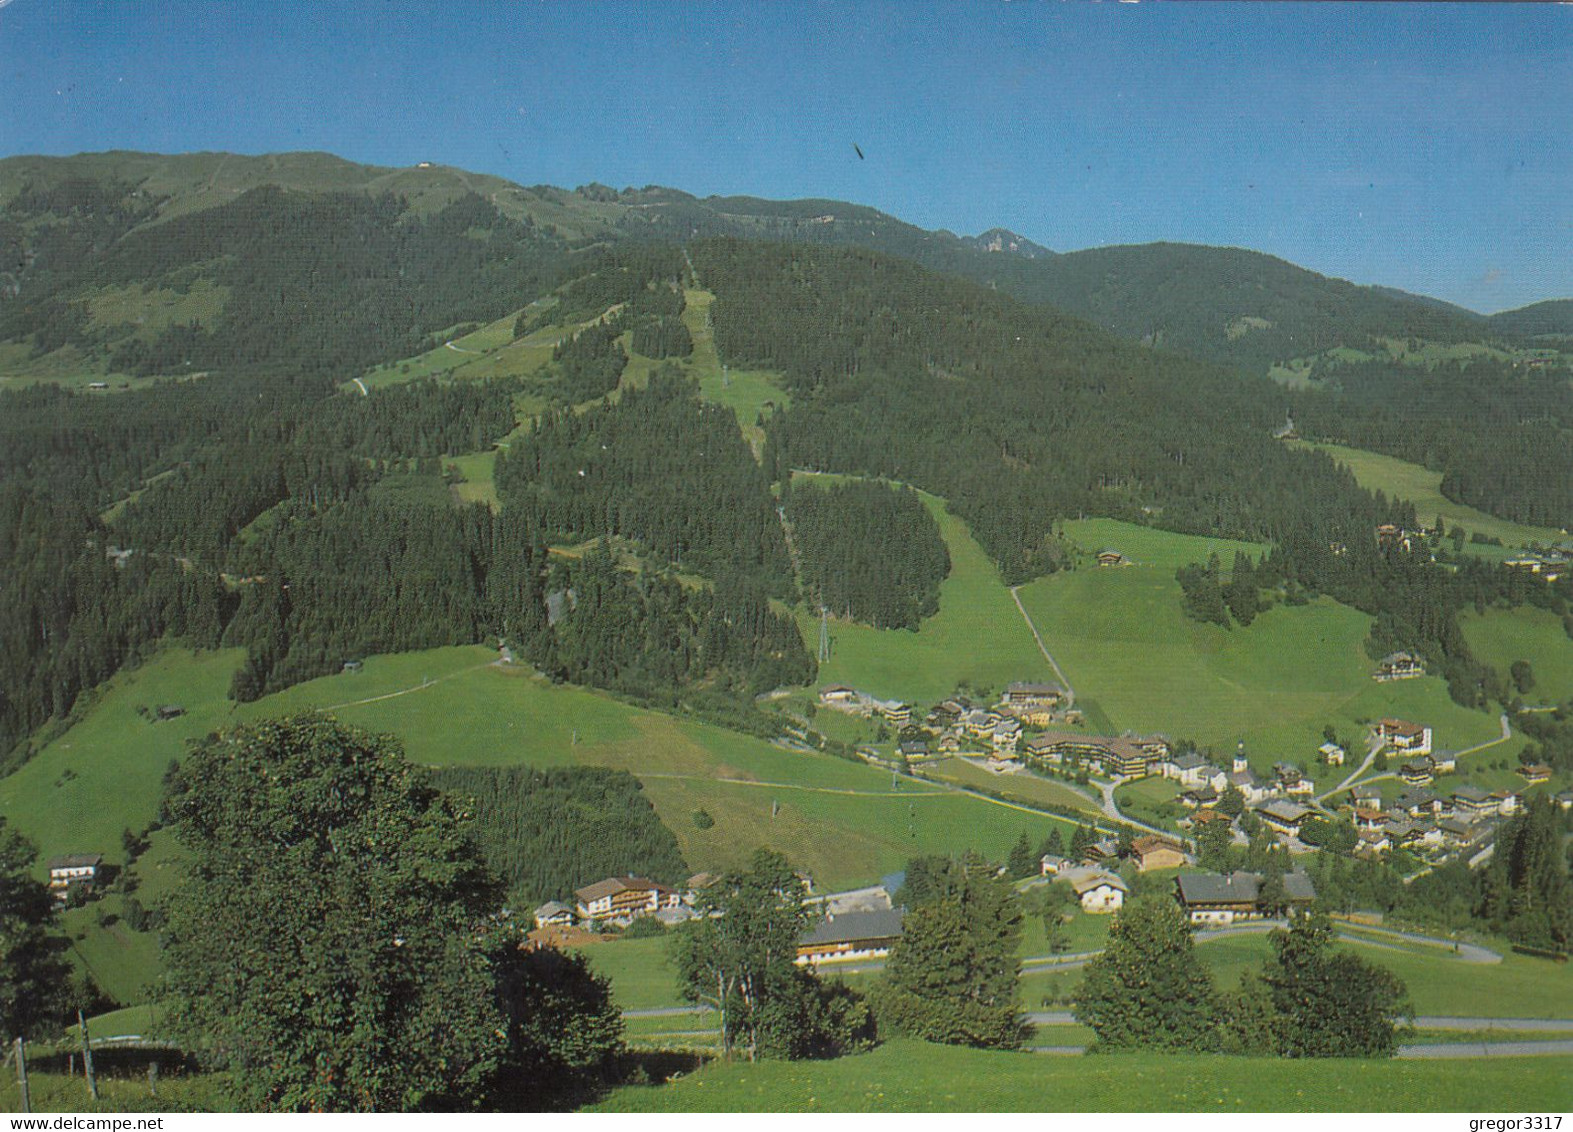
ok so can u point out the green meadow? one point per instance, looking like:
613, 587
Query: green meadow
845, 822
911, 1076
1439, 983
1400, 479
750, 394
1031, 788
1499, 637
977, 637
1124, 641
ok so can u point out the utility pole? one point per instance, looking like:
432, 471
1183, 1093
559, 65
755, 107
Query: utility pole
824, 634
21, 1073
87, 1056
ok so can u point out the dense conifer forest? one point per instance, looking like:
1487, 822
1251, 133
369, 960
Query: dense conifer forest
1501, 433
549, 832
317, 283
869, 552
1017, 415
259, 505
658, 466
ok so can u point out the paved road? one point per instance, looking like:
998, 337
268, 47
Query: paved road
1449, 1022
1423, 1022
1460, 1050
1464, 952
1112, 811
1354, 779
1374, 748
666, 1012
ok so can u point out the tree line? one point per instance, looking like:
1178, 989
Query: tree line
546, 833
1018, 416
868, 552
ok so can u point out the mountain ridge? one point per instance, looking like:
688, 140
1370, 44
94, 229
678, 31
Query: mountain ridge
1239, 307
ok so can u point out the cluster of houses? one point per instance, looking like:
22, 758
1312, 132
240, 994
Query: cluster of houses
1462, 823
618, 901
1097, 887
1548, 564
841, 697
1204, 783
958, 722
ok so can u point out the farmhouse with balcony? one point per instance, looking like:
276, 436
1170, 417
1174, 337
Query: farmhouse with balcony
1535, 773
1367, 796
1292, 780
1417, 773
1472, 800
553, 915
1027, 695
850, 935
1111, 557
1404, 737
1097, 890
1052, 864
1284, 816
1418, 802
1332, 754
1399, 666
74, 871
1209, 898
624, 898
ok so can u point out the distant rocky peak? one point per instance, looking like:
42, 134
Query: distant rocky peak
1008, 242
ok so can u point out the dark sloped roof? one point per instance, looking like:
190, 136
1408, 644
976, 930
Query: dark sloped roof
76, 861
850, 927
1211, 888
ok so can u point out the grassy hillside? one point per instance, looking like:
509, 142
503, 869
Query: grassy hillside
977, 636
844, 822
1123, 640
1400, 479
1500, 637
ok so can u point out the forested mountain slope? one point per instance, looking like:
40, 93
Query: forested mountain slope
1234, 306
282, 508
1551, 319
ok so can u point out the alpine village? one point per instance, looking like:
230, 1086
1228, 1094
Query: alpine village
476, 646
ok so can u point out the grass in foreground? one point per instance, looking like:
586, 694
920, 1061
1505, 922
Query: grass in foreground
56, 1092
909, 1076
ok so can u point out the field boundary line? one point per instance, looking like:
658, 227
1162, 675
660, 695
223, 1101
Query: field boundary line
406, 691
1027, 617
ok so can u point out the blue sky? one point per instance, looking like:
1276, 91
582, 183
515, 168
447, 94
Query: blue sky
1419, 146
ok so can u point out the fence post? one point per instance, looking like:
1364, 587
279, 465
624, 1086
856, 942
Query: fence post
152, 1078
21, 1073
87, 1056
